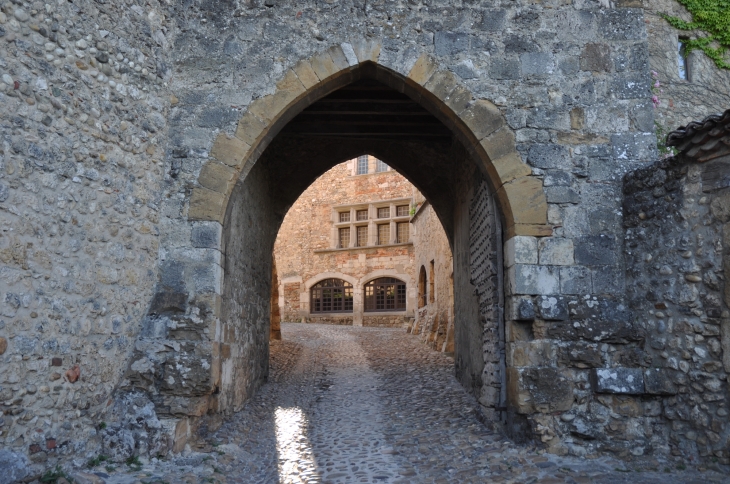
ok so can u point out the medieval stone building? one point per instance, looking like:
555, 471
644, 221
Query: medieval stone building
434, 318
149, 152
344, 253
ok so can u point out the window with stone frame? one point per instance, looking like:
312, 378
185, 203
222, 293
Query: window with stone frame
402, 232
344, 216
383, 234
402, 211
331, 296
361, 215
362, 165
682, 59
344, 237
380, 166
384, 212
385, 294
362, 236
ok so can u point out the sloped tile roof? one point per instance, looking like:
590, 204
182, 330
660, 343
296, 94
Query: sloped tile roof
703, 140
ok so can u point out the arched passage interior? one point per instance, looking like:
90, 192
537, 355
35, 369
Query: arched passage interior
365, 116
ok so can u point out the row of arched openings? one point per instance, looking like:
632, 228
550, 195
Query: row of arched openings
336, 296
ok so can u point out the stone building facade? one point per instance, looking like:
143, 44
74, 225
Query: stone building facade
150, 151
351, 226
434, 268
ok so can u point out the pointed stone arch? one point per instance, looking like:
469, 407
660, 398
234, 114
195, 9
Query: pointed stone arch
476, 122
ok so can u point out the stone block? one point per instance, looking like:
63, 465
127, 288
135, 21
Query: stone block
501, 143
250, 128
306, 74
561, 195
339, 58
548, 156
458, 99
207, 205
659, 381
543, 390
423, 69
492, 20
624, 381
555, 251
15, 467
596, 58
608, 280
350, 55
531, 353
537, 64
525, 199
366, 50
633, 146
218, 177
323, 65
532, 279
621, 24
510, 166
231, 151
575, 280
441, 84
504, 69
520, 308
596, 250
552, 308
451, 43
206, 235
580, 355
632, 86
520, 250
208, 278
482, 118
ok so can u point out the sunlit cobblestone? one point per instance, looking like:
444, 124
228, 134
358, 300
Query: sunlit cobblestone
366, 405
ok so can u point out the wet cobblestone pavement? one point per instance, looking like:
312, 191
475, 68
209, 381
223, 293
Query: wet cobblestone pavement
370, 405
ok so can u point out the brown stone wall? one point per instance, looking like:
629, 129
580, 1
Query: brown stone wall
305, 248
434, 321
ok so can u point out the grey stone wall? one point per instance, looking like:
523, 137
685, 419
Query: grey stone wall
707, 90
677, 249
111, 111
82, 134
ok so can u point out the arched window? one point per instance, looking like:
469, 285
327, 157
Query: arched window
422, 296
331, 296
385, 294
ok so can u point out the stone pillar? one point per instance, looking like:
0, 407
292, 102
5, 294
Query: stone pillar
275, 330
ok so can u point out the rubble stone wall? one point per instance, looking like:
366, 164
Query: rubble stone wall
677, 219
83, 130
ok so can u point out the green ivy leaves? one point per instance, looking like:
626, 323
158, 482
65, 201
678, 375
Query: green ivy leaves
713, 18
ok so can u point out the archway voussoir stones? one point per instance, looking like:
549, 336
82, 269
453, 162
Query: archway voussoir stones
366, 50
206, 204
477, 122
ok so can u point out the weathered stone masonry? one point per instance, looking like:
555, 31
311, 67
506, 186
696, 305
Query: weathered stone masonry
138, 225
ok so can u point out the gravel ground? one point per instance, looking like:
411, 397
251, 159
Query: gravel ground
348, 404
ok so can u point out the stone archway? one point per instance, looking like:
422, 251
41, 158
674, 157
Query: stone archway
221, 321
477, 122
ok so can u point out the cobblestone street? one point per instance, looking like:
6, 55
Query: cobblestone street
348, 404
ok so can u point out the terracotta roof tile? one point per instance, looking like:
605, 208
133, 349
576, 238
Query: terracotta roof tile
703, 140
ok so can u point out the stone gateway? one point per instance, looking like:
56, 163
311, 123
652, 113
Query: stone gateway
150, 151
